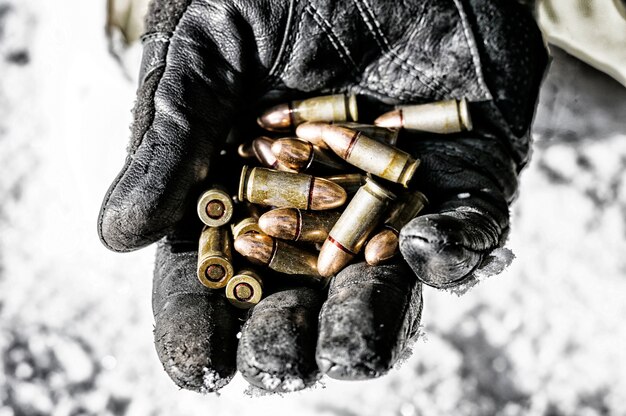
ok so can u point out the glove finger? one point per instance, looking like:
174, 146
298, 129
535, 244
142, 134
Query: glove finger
469, 181
370, 315
277, 346
182, 115
445, 249
196, 329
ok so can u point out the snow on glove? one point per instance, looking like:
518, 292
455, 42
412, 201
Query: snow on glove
208, 65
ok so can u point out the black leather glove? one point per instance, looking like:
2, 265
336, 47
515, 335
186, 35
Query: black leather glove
209, 65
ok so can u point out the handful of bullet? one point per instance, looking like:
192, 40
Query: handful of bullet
338, 187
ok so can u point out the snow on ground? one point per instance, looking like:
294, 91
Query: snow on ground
544, 337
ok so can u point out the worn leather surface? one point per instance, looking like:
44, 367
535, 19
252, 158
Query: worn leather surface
210, 65
277, 346
369, 316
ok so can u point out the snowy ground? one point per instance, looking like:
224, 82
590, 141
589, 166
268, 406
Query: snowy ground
545, 337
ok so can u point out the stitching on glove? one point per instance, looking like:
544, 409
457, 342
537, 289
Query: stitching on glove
285, 46
453, 152
384, 90
335, 41
404, 63
473, 50
151, 61
291, 43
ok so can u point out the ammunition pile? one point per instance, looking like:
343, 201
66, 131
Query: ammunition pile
290, 213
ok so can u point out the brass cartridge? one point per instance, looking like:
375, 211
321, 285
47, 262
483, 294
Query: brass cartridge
372, 156
297, 225
280, 257
289, 190
381, 134
215, 207
443, 117
348, 235
302, 156
283, 117
384, 245
245, 289
214, 257
311, 132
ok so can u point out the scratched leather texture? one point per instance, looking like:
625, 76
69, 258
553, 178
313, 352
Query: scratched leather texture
211, 65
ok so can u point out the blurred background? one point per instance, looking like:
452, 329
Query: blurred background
546, 337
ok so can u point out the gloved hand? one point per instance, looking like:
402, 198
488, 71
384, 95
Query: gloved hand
208, 65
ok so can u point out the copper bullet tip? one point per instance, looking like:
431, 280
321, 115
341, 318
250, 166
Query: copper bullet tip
293, 153
257, 248
262, 147
326, 195
332, 258
277, 118
281, 223
337, 138
392, 119
311, 131
382, 247
245, 150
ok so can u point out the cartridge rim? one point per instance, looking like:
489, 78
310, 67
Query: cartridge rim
464, 115
243, 180
377, 190
225, 203
252, 281
245, 150
353, 111
409, 171
214, 260
246, 226
423, 199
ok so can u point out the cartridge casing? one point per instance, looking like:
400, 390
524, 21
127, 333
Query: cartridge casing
380, 159
292, 190
381, 134
214, 257
338, 107
372, 156
349, 233
289, 259
441, 117
280, 257
362, 214
245, 289
215, 207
